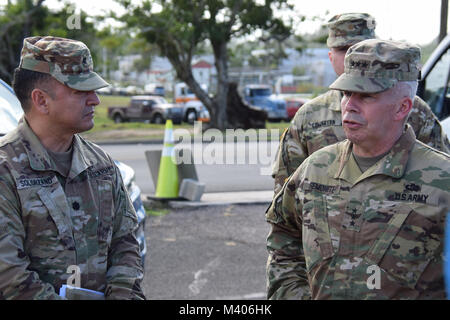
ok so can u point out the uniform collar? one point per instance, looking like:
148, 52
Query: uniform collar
335, 101
393, 164
39, 158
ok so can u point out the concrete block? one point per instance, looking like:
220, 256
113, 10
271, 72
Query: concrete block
191, 189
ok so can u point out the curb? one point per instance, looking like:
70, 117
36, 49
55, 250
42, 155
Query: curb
112, 142
161, 141
253, 198
176, 204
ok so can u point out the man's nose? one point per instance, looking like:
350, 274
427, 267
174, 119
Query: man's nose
93, 99
349, 102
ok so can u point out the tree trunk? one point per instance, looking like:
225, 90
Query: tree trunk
220, 119
241, 114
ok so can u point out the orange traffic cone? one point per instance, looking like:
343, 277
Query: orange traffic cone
167, 184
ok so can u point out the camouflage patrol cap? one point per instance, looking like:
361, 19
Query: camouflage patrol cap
68, 61
376, 65
347, 29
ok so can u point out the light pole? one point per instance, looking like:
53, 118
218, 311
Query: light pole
444, 16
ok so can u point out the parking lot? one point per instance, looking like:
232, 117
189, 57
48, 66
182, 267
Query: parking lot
208, 253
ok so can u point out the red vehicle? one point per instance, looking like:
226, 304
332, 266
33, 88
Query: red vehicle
292, 105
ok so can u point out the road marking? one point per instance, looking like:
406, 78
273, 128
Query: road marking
228, 212
196, 286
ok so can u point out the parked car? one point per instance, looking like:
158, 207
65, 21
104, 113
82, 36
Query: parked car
154, 89
133, 90
11, 105
292, 105
105, 91
134, 192
261, 96
446, 126
147, 108
11, 112
434, 85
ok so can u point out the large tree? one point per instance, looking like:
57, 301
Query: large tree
24, 18
181, 26
17, 20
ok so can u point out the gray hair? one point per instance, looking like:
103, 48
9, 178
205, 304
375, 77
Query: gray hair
406, 89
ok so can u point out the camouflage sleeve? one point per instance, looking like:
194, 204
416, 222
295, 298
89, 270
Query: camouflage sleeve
427, 127
286, 266
17, 281
290, 154
125, 271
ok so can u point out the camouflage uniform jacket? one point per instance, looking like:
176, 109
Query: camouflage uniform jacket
318, 124
44, 229
332, 226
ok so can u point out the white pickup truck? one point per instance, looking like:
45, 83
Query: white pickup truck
193, 109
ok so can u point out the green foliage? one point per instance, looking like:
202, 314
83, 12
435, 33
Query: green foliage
298, 71
181, 27
23, 18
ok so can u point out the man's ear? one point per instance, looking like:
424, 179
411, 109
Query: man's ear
403, 108
39, 100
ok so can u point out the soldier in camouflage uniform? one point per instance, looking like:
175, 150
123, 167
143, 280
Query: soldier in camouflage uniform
318, 122
62, 199
364, 218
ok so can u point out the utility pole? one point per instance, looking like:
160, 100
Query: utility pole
105, 68
444, 16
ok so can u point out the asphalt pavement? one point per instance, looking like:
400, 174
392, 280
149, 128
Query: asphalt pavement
211, 249
207, 253
252, 173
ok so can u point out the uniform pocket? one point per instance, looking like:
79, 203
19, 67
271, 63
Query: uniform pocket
316, 232
55, 202
407, 245
106, 216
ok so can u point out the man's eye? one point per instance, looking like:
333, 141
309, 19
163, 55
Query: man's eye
347, 93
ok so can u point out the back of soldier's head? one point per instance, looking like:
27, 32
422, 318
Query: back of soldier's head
346, 29
375, 65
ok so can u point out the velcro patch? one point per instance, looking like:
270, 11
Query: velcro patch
33, 182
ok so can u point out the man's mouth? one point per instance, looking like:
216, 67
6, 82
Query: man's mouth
89, 114
351, 124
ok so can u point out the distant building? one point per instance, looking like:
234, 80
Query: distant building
202, 71
313, 61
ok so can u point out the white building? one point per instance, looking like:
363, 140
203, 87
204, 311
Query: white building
314, 61
202, 72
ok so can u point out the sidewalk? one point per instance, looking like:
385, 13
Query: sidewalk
221, 198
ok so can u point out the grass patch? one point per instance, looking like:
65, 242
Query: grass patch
103, 123
106, 130
156, 212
